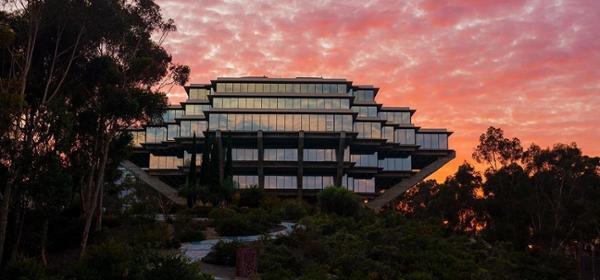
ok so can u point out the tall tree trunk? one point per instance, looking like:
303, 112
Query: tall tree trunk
98, 225
94, 201
4, 207
44, 241
19, 221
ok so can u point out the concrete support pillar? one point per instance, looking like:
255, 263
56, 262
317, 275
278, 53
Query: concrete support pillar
219, 143
300, 162
261, 158
340, 159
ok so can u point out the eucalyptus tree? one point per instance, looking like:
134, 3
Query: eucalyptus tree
97, 57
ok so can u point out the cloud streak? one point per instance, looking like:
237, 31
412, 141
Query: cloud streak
529, 67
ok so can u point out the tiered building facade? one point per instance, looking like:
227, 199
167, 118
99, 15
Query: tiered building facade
293, 136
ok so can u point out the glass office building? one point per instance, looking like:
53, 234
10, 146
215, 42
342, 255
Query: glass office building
294, 136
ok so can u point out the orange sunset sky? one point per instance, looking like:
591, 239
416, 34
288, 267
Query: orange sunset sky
531, 68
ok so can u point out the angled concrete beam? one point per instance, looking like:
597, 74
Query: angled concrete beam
154, 182
397, 190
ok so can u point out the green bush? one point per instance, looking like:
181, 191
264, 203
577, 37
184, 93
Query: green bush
143, 212
252, 196
191, 235
115, 261
271, 204
293, 209
256, 221
339, 200
219, 213
23, 268
224, 253
155, 235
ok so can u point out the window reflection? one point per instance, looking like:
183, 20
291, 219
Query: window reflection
359, 185
432, 140
396, 164
316, 182
165, 162
281, 182
245, 181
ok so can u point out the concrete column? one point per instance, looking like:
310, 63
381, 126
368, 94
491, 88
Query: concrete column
261, 158
300, 162
220, 150
340, 159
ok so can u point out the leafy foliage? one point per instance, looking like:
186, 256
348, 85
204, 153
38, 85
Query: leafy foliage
224, 253
338, 200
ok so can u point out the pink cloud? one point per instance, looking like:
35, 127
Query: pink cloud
529, 67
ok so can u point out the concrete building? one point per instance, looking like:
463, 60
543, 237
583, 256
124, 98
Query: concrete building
295, 136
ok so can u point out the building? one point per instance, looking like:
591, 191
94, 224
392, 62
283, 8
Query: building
295, 136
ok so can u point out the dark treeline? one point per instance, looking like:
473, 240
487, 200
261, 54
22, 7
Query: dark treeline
73, 74
544, 198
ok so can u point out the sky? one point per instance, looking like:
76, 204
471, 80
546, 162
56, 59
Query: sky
531, 68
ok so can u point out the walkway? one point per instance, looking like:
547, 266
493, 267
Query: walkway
199, 249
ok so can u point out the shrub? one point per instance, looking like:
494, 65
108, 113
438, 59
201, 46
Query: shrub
223, 253
157, 235
252, 196
143, 212
23, 268
256, 221
219, 213
271, 204
115, 261
339, 201
161, 266
293, 209
191, 235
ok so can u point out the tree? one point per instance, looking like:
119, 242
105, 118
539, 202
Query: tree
215, 157
192, 180
497, 151
566, 191
205, 170
228, 172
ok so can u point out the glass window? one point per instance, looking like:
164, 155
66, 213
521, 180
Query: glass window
289, 123
280, 124
321, 123
297, 103
228, 87
264, 121
236, 87
220, 87
296, 88
329, 123
336, 104
337, 122
333, 88
289, 88
297, 122
341, 89
304, 103
328, 103
326, 88
259, 87
320, 103
347, 123
312, 88
251, 87
419, 139
312, 103
273, 88
257, 103
345, 103
303, 88
289, 103
272, 122
281, 88
319, 88
443, 141
280, 103
305, 122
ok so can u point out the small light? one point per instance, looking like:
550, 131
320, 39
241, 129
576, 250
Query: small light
445, 222
366, 201
530, 246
